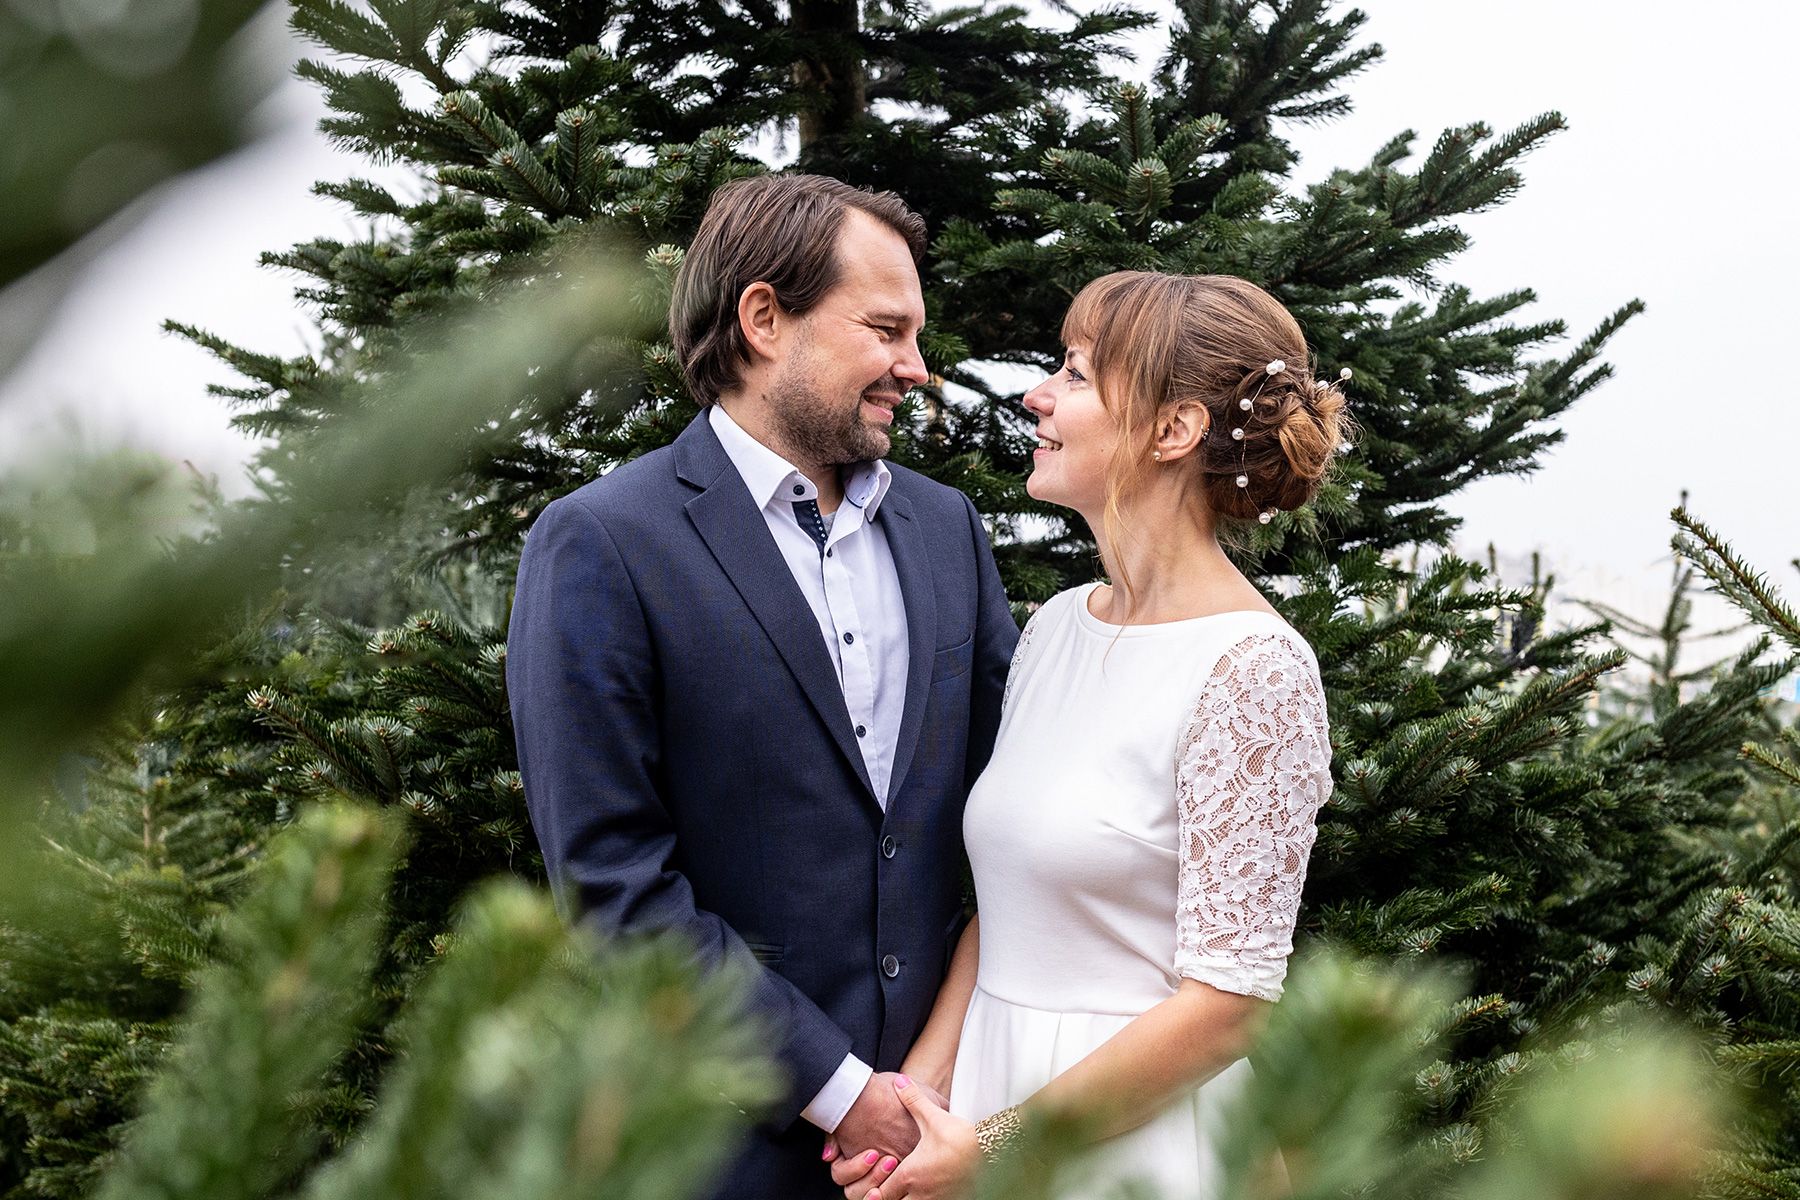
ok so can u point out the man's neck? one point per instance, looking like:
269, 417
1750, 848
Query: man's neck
752, 419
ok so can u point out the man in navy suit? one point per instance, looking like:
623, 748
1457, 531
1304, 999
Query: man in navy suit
753, 673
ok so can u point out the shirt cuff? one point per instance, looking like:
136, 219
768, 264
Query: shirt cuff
838, 1094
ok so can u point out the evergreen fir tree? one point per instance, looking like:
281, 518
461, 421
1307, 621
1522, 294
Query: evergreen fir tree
534, 1067
138, 865
1755, 944
1667, 638
1475, 819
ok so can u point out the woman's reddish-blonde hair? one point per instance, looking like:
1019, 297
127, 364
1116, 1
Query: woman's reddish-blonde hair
1156, 341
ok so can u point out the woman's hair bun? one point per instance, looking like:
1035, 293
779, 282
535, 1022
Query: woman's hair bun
1293, 435
1313, 429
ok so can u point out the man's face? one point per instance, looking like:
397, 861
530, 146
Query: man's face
855, 353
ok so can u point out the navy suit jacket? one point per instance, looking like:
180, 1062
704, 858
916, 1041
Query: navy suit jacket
690, 764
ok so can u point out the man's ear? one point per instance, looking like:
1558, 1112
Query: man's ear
1181, 429
761, 320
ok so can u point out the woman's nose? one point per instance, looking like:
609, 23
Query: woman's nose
1037, 400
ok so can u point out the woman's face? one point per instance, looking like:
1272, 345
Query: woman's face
1076, 436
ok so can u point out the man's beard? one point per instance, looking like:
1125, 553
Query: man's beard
816, 429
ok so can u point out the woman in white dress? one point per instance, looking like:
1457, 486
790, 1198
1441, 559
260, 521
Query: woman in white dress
1140, 838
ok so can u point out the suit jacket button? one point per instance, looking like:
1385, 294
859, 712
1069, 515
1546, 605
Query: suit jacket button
888, 846
890, 966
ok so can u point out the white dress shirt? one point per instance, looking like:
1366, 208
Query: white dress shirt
854, 592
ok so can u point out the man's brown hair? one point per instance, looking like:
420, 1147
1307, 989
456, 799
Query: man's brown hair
781, 230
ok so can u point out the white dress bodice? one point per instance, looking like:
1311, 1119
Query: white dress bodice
1146, 816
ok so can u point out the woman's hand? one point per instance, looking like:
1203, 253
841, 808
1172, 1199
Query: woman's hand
944, 1162
857, 1172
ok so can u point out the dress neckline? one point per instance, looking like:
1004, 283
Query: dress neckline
1087, 620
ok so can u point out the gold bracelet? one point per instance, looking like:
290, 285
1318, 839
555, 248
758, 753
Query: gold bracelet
992, 1134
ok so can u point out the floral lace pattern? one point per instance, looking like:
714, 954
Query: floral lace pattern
1252, 769
1012, 672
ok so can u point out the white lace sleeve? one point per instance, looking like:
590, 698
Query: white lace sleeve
1252, 769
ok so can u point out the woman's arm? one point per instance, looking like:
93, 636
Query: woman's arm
933, 1057
1165, 1051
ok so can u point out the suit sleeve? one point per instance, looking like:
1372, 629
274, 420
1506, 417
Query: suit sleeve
996, 634
582, 683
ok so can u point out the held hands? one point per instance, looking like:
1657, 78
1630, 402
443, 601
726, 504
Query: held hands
877, 1121
939, 1167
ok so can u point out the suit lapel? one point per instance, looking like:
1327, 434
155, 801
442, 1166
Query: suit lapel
734, 530
906, 542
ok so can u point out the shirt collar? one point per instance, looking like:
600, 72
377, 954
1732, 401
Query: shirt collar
771, 477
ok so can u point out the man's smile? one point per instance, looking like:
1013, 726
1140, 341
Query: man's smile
884, 403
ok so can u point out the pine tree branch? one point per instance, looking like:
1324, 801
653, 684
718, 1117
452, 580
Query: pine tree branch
1779, 764
1734, 578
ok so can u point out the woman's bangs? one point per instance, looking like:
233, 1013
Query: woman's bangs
1081, 321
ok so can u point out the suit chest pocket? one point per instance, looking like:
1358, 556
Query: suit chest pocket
948, 664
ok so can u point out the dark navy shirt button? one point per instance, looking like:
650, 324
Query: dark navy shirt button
828, 554
862, 731
890, 966
849, 639
799, 490
888, 846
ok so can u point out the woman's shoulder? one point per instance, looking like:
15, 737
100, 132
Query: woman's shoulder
1259, 635
1264, 625
1263, 659
1058, 607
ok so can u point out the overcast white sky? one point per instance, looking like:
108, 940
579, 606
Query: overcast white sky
1675, 184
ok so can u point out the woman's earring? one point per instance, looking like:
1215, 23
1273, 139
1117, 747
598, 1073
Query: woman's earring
1156, 454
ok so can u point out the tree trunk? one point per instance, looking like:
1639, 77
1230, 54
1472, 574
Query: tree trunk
830, 67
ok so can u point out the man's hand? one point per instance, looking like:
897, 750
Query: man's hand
878, 1121
863, 1155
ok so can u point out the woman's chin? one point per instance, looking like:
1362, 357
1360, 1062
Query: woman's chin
1039, 487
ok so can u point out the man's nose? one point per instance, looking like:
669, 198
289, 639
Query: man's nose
910, 366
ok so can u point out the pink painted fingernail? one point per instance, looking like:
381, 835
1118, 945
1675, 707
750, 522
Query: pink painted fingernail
901, 1081
827, 1155
871, 1156
888, 1164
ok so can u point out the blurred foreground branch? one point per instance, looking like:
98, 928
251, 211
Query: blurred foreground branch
81, 632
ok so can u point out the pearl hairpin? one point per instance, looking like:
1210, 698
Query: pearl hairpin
1275, 367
